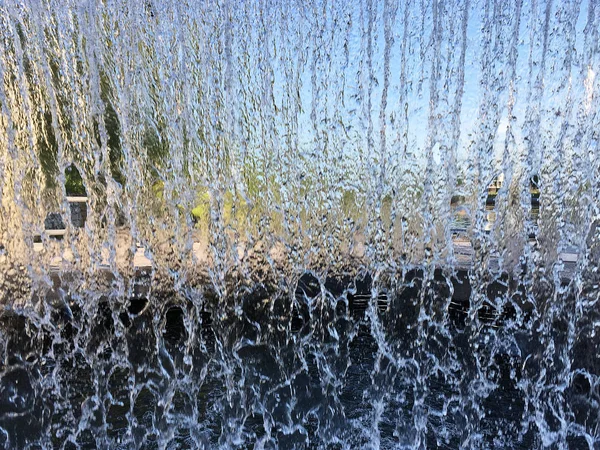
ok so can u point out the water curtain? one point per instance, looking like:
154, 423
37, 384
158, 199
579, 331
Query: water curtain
264, 170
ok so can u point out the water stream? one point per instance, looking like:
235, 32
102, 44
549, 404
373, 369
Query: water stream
294, 224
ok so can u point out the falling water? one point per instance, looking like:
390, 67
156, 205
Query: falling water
288, 224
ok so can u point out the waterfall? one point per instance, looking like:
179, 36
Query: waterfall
299, 224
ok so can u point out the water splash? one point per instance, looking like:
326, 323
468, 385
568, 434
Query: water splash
281, 224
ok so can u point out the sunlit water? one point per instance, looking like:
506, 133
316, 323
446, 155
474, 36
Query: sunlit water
288, 224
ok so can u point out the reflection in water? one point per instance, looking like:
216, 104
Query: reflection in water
285, 224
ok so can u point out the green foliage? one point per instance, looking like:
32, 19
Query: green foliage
349, 207
113, 130
201, 213
74, 183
